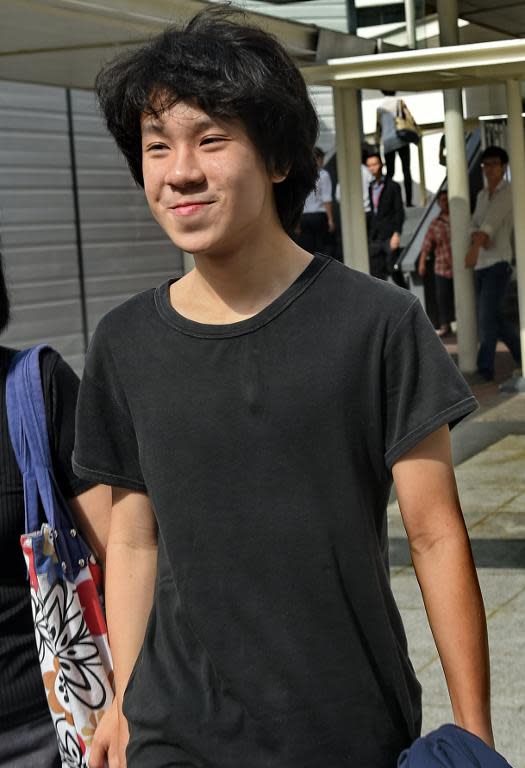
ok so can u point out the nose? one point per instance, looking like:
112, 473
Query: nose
184, 168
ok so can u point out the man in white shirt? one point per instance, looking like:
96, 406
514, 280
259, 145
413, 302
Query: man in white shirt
490, 255
317, 219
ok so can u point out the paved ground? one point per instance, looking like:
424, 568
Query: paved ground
489, 451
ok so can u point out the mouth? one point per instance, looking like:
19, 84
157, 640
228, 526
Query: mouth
190, 207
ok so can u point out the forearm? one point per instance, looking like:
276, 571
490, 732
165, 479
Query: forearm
329, 214
480, 239
429, 504
449, 585
130, 582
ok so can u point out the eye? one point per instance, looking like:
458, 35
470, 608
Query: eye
207, 140
156, 147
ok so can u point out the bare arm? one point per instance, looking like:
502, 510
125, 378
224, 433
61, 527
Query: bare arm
330, 216
130, 581
444, 567
91, 511
478, 240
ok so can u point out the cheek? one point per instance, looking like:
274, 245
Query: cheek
152, 181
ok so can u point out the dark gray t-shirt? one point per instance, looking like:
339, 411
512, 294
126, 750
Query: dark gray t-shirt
266, 448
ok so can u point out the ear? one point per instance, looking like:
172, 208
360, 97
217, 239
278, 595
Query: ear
278, 175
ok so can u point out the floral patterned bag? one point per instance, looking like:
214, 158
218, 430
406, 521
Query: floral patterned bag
64, 578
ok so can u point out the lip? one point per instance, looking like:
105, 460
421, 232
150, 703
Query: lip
190, 207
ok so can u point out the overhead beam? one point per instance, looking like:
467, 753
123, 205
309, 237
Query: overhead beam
423, 70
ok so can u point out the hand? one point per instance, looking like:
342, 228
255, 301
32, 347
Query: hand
422, 266
471, 259
394, 242
331, 225
104, 746
123, 738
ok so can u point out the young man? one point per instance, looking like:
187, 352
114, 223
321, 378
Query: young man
437, 241
317, 219
249, 417
385, 220
491, 254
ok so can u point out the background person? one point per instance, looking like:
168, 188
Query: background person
437, 242
386, 135
385, 219
317, 221
27, 735
491, 255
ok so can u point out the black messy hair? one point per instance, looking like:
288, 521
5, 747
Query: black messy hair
232, 71
4, 299
497, 153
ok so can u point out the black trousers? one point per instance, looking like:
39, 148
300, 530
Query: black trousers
445, 299
314, 232
404, 156
381, 258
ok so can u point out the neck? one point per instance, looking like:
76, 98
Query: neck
242, 279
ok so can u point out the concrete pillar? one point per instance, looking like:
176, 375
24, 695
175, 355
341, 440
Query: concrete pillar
516, 139
410, 20
348, 144
459, 202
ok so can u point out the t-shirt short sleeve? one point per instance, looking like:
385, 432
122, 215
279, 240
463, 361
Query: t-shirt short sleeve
106, 448
60, 385
423, 388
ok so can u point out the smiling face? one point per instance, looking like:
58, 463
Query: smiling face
205, 182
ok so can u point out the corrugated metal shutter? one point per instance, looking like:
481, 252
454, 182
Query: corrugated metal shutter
37, 228
123, 249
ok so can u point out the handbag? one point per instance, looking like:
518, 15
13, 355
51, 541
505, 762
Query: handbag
406, 127
65, 580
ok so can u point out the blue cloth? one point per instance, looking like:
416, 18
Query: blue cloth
450, 747
491, 287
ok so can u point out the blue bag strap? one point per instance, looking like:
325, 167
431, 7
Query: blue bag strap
21, 447
26, 409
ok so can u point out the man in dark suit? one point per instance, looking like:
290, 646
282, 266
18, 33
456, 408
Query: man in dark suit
385, 219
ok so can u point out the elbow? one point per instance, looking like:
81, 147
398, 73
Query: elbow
427, 543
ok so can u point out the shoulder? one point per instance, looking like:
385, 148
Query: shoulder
121, 332
506, 189
126, 318
391, 184
358, 294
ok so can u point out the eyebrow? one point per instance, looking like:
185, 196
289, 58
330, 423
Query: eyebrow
152, 126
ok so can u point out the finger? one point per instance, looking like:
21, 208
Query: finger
96, 757
113, 758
